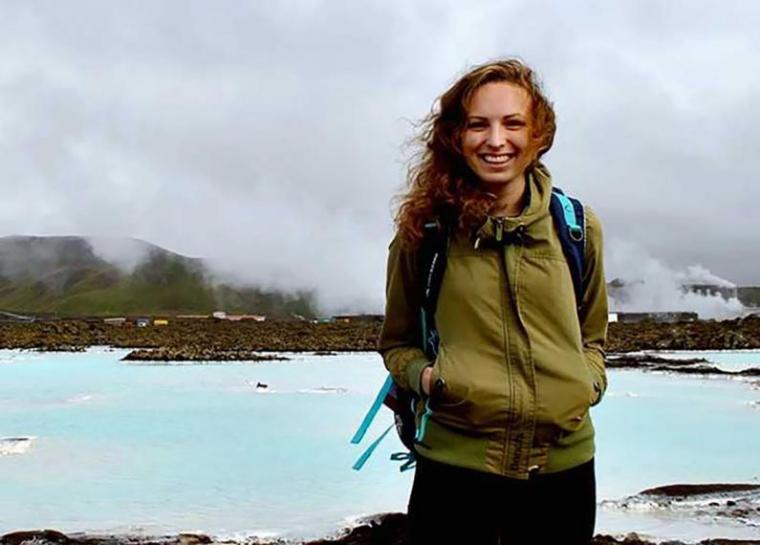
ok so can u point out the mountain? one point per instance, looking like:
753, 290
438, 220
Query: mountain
67, 276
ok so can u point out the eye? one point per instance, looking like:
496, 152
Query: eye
515, 123
476, 124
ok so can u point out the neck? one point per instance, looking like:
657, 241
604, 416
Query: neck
510, 197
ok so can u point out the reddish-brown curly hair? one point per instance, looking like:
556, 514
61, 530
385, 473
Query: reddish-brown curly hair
438, 178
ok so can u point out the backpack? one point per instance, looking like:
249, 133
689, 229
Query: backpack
569, 220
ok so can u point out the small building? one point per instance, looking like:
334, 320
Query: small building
656, 317
726, 292
192, 316
220, 315
242, 317
142, 322
115, 321
160, 321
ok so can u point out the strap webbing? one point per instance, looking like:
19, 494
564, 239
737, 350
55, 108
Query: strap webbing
569, 213
367, 453
370, 416
408, 458
423, 423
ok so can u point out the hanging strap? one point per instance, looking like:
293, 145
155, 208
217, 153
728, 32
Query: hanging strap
420, 435
370, 449
409, 459
372, 412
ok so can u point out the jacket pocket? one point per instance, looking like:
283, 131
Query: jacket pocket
584, 400
456, 399
442, 392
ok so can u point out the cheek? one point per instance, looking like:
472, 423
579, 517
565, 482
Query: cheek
523, 140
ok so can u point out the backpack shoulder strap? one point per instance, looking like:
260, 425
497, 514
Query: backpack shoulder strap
431, 265
570, 222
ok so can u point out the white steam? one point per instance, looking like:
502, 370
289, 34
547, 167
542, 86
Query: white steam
651, 286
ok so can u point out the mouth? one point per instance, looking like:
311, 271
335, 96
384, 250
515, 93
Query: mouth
494, 159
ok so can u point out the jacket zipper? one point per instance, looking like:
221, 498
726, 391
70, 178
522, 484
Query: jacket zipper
505, 328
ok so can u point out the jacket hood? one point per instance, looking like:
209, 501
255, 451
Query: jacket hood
539, 191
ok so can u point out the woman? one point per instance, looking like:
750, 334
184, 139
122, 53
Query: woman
506, 453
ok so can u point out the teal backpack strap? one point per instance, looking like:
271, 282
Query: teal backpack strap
409, 459
372, 412
370, 449
570, 222
569, 214
431, 258
420, 435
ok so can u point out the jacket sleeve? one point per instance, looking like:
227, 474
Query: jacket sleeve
400, 336
594, 310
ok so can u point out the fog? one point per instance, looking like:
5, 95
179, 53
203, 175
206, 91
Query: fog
268, 138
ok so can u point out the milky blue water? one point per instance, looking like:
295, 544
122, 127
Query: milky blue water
166, 448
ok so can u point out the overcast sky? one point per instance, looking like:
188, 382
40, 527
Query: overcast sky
269, 136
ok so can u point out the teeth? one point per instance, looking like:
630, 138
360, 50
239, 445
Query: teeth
496, 158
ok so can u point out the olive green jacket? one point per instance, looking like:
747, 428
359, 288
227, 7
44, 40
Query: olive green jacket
518, 365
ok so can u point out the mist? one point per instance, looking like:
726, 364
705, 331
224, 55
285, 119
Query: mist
653, 286
269, 139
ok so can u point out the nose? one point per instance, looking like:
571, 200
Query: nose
497, 136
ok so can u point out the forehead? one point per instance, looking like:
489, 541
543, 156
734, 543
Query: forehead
499, 99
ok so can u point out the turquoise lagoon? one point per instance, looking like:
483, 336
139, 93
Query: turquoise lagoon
149, 449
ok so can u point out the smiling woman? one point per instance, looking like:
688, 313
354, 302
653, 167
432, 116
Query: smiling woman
503, 388
496, 142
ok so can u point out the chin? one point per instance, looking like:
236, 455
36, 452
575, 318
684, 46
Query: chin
491, 178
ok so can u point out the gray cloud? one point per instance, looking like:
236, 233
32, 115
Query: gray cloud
269, 137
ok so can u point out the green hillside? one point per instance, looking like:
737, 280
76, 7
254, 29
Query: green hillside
64, 276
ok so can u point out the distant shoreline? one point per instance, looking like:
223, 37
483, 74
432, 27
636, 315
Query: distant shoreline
221, 340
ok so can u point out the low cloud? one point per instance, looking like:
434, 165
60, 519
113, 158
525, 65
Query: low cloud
268, 138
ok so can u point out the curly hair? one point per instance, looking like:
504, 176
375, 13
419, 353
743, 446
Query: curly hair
438, 179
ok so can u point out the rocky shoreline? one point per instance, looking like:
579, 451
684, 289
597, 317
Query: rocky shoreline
384, 529
716, 501
208, 339
691, 366
190, 338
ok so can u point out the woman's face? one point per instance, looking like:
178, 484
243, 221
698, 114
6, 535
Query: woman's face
496, 141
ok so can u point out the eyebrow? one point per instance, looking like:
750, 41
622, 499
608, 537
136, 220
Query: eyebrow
509, 116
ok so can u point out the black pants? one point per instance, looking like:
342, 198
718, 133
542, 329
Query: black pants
451, 505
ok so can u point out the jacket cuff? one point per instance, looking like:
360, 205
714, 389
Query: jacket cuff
599, 383
414, 374
598, 390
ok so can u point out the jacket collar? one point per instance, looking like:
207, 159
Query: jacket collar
507, 229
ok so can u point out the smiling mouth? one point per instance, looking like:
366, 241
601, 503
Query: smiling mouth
497, 159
